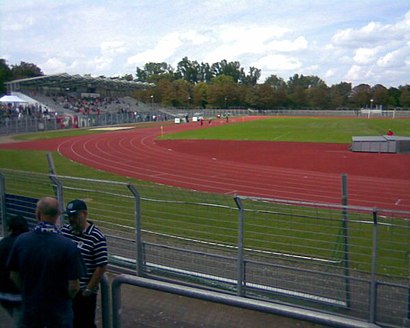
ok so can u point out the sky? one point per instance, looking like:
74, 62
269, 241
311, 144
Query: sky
355, 41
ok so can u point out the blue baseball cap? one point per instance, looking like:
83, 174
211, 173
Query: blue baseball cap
75, 206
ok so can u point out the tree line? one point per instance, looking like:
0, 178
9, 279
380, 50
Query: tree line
227, 84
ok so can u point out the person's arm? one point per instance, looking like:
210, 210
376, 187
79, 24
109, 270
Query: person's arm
15, 277
95, 280
73, 287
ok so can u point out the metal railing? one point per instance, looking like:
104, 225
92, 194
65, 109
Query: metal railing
345, 261
26, 124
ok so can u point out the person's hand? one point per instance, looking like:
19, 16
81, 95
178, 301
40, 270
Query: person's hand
87, 292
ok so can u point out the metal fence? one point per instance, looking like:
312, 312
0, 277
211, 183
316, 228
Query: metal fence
26, 124
350, 262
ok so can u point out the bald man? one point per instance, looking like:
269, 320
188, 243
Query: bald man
47, 267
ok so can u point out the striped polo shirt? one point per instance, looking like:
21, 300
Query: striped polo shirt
93, 247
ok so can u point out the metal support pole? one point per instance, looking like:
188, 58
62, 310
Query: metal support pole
51, 166
373, 273
3, 204
105, 302
240, 268
406, 321
59, 193
138, 239
318, 317
408, 307
345, 218
116, 302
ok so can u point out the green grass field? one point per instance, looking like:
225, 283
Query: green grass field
191, 221
332, 130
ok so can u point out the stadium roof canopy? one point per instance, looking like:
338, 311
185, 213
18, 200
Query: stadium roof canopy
65, 80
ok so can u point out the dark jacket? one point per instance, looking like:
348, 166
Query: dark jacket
7, 286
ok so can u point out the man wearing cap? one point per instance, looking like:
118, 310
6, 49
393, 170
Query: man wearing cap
47, 268
93, 247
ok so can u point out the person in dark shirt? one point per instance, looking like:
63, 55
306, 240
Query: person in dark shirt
10, 295
47, 267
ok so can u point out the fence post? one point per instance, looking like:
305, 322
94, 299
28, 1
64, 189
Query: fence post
241, 266
373, 282
3, 204
105, 302
51, 166
345, 218
407, 320
116, 303
138, 239
59, 193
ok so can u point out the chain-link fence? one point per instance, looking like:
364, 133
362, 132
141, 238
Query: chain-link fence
26, 124
338, 259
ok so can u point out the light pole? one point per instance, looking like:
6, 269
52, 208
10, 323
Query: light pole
152, 101
226, 102
371, 103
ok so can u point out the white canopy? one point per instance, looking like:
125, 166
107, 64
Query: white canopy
11, 99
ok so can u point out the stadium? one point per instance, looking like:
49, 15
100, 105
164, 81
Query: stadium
273, 213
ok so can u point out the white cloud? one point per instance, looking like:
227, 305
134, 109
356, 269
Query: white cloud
355, 73
113, 47
330, 73
280, 63
164, 49
54, 65
365, 56
333, 40
298, 44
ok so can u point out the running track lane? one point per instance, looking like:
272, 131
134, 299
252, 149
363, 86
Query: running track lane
228, 169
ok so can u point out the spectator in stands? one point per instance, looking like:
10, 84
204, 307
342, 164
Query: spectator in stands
10, 295
47, 267
93, 246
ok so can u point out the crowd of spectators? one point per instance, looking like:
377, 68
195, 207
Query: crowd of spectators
23, 110
91, 105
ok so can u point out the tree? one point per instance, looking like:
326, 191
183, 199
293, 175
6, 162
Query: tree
5, 75
189, 70
380, 95
25, 70
127, 77
304, 82
361, 95
222, 91
182, 93
205, 73
232, 69
405, 96
200, 94
394, 97
153, 72
275, 82
253, 76
339, 95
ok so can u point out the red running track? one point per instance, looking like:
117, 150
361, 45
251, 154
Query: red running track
297, 171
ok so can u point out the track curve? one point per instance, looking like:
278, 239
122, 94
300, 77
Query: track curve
307, 172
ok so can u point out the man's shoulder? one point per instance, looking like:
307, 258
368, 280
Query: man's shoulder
94, 231
66, 229
5, 241
25, 236
62, 241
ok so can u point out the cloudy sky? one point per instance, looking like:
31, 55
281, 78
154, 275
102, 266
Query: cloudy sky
357, 41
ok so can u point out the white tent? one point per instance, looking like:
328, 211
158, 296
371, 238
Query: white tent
11, 99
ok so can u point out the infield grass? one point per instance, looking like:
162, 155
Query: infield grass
331, 130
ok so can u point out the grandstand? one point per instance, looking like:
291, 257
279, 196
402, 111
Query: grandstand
68, 94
